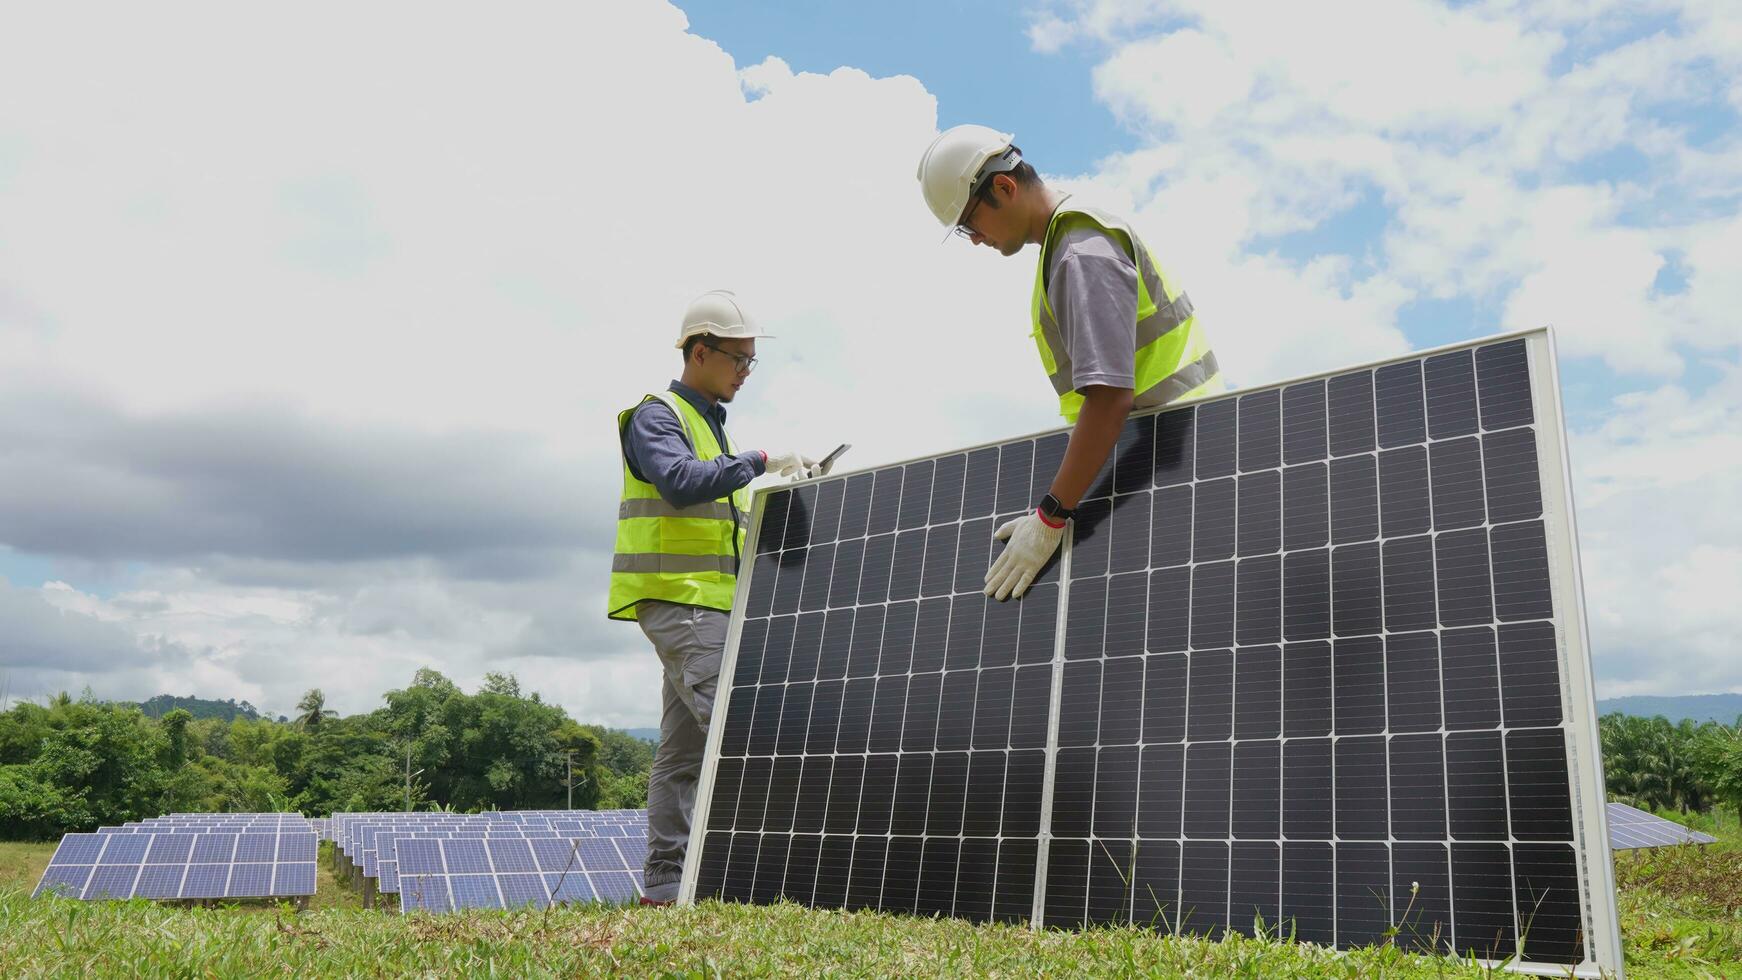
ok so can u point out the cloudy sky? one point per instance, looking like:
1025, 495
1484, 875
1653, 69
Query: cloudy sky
313, 326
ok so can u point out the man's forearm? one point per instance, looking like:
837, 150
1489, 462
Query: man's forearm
685, 482
1092, 441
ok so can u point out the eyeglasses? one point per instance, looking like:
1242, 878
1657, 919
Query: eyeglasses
744, 363
962, 228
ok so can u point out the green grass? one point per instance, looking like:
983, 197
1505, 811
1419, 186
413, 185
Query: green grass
1676, 919
1681, 907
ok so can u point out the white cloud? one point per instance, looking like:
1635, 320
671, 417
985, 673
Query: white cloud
289, 307
1532, 158
1656, 486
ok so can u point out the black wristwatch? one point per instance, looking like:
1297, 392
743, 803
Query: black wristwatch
1055, 512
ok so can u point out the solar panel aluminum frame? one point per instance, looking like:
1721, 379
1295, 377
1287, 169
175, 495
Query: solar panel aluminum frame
1594, 860
1578, 685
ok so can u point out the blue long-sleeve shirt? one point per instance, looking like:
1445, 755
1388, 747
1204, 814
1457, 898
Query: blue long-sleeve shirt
657, 452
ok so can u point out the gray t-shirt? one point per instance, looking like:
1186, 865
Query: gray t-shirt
1092, 286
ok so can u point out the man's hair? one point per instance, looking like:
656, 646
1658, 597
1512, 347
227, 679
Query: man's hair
1023, 173
691, 344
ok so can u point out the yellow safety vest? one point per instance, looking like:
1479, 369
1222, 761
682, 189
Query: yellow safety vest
687, 555
1174, 360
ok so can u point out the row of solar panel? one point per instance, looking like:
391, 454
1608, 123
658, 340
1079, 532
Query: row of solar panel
1631, 828
362, 841
182, 865
344, 827
184, 827
500, 855
441, 875
176, 819
499, 860
443, 893
361, 831
380, 847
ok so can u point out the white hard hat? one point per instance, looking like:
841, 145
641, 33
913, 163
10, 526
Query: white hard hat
950, 164
717, 313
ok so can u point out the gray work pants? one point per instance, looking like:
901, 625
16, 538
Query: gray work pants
689, 641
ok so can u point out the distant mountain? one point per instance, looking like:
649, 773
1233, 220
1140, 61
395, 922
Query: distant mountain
1699, 707
200, 708
650, 734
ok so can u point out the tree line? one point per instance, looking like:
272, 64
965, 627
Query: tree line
1657, 764
76, 764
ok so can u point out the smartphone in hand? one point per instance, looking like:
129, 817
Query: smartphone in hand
829, 460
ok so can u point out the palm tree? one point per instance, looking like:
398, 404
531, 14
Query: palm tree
313, 709
1655, 764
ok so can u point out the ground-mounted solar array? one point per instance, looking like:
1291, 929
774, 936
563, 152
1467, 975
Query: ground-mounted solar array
439, 862
1312, 655
188, 857
1631, 828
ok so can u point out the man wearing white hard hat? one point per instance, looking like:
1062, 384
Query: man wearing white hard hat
680, 535
1115, 333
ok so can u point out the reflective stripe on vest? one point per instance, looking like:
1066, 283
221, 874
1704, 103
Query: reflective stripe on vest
687, 555
1173, 358
657, 507
678, 564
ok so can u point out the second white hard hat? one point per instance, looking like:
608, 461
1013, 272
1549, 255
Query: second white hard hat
717, 313
950, 164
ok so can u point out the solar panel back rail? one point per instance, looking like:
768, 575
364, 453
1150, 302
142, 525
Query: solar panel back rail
1312, 654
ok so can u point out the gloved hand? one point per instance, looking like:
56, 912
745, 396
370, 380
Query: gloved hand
1031, 542
796, 465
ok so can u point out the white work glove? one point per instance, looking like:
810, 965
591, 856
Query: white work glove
796, 465
1032, 542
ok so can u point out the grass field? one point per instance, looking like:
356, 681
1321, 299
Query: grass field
1681, 916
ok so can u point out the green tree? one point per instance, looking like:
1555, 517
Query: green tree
1719, 756
313, 710
71, 764
175, 734
1656, 764
582, 773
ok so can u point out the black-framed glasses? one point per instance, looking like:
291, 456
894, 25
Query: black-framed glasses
744, 363
962, 228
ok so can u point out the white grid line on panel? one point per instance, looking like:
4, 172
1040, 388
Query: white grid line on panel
1061, 623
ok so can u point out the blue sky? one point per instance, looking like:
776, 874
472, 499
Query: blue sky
974, 56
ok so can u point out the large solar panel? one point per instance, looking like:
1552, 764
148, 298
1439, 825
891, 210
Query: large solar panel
1312, 656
